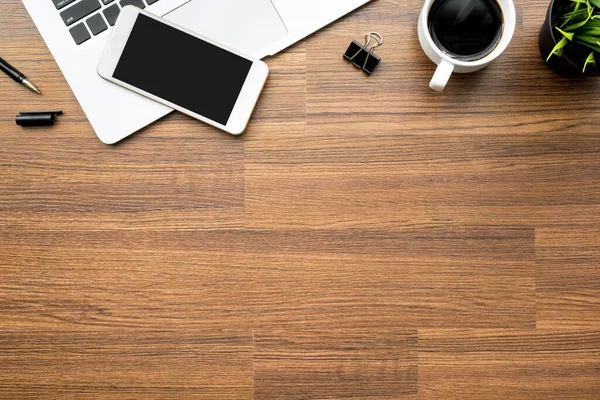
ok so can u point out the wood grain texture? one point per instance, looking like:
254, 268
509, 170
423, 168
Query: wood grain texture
366, 237
541, 364
328, 364
132, 364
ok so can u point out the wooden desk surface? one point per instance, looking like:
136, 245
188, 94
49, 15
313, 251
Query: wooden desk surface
365, 238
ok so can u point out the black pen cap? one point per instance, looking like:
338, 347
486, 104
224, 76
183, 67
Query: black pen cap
37, 118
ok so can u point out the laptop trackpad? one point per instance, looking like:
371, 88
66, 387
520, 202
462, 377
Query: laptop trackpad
245, 25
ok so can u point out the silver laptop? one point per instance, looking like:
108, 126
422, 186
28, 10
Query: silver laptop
76, 32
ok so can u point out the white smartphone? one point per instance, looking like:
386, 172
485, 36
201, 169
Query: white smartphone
183, 70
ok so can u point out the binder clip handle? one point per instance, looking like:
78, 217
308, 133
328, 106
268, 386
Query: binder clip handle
364, 57
372, 35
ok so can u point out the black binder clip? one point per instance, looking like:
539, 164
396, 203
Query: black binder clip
361, 56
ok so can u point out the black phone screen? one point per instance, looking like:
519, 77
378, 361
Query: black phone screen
182, 69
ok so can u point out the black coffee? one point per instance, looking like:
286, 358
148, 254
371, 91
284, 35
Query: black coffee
466, 29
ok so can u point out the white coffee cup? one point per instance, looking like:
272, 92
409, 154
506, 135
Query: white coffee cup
446, 64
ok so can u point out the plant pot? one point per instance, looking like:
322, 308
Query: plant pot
567, 64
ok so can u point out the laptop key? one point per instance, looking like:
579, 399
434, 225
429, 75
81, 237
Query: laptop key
62, 3
112, 13
80, 33
150, 2
137, 3
79, 11
96, 24
105, 2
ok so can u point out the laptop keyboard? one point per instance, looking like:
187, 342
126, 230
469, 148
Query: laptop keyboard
88, 18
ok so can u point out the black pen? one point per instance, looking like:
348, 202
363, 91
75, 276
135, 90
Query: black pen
16, 75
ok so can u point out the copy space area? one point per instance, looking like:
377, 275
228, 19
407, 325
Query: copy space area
365, 238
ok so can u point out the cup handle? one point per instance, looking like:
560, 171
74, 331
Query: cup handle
441, 76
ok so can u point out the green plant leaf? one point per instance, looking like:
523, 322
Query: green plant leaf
594, 23
590, 60
589, 31
595, 3
577, 16
568, 35
590, 11
593, 46
558, 49
591, 28
588, 39
570, 15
